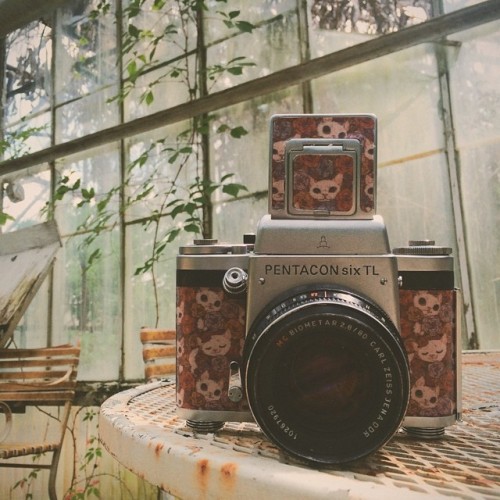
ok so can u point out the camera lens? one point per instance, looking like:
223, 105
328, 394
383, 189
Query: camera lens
327, 376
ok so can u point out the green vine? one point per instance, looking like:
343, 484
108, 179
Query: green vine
184, 207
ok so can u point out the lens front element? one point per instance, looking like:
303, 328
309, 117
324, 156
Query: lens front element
327, 376
326, 381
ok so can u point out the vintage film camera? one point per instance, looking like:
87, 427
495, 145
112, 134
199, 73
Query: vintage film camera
298, 327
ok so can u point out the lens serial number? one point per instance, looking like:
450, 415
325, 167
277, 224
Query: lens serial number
280, 423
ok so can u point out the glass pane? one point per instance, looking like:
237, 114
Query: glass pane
415, 201
88, 187
160, 31
155, 91
28, 71
157, 161
255, 12
249, 156
32, 329
24, 198
87, 304
87, 291
270, 47
475, 73
331, 20
156, 39
87, 115
408, 123
148, 296
86, 50
451, 5
26, 136
244, 216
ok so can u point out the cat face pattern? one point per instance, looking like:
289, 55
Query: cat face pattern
427, 328
362, 128
323, 183
210, 335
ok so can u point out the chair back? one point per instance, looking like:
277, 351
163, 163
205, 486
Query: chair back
158, 353
39, 376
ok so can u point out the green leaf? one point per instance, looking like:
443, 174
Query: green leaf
234, 13
179, 209
96, 254
144, 193
238, 132
132, 71
237, 70
133, 31
4, 217
159, 249
245, 26
233, 189
223, 128
190, 208
101, 205
88, 194
226, 176
158, 4
173, 234
192, 228
149, 98
239, 58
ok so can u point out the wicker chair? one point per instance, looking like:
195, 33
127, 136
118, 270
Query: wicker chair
37, 377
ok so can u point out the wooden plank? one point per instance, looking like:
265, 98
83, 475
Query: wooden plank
38, 397
30, 238
66, 350
26, 392
155, 371
154, 335
31, 376
13, 364
151, 353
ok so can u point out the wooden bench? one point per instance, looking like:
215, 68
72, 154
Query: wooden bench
37, 377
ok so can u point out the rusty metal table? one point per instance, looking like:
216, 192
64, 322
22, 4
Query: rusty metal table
140, 429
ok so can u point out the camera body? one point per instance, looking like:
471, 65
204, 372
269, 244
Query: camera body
298, 327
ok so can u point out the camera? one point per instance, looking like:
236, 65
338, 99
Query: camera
298, 327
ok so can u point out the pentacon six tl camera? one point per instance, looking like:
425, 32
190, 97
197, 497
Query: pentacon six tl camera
313, 327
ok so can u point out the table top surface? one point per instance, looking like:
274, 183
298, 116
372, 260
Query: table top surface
140, 428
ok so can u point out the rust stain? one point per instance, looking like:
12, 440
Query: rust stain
228, 475
158, 448
202, 473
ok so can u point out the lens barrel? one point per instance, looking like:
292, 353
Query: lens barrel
327, 376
